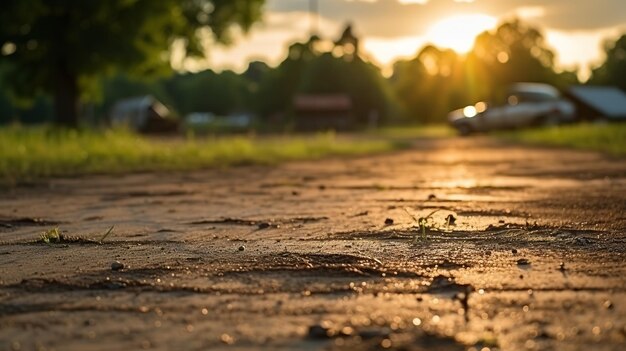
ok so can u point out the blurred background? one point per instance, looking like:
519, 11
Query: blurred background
299, 64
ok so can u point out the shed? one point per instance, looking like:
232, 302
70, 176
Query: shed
599, 102
144, 114
323, 111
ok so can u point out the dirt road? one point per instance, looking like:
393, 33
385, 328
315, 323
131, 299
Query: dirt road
325, 255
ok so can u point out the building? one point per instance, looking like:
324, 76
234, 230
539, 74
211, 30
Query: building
598, 102
323, 112
144, 114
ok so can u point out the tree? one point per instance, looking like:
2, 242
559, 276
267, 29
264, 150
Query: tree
514, 53
207, 91
278, 86
437, 80
352, 76
60, 46
613, 70
310, 69
431, 84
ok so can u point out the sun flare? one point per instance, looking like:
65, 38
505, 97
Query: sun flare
459, 31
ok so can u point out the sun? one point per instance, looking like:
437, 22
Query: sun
459, 31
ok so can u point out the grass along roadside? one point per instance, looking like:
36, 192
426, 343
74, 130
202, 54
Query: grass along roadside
414, 131
609, 138
28, 153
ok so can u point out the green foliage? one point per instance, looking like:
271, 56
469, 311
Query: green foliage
613, 70
608, 138
108, 232
8, 112
27, 153
277, 89
424, 224
51, 236
54, 236
61, 46
78, 44
36, 109
264, 90
349, 75
122, 86
431, 84
437, 80
415, 131
208, 91
309, 70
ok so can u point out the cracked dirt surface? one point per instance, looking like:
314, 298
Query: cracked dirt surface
325, 255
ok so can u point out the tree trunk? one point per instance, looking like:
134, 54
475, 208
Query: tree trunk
66, 97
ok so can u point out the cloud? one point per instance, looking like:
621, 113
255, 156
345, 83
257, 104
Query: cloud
398, 18
398, 28
267, 41
413, 1
530, 12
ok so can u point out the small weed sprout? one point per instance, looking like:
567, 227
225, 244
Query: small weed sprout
106, 234
54, 236
425, 224
51, 236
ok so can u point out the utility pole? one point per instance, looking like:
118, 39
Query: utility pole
314, 13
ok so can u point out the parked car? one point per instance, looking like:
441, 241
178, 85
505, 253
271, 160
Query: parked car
205, 122
527, 104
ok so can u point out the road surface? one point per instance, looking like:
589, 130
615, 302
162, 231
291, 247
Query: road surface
525, 250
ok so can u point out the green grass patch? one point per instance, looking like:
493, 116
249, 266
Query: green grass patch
609, 138
51, 236
28, 153
410, 132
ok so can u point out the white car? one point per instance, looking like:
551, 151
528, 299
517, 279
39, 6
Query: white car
527, 104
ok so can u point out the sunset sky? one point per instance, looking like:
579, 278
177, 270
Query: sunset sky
391, 29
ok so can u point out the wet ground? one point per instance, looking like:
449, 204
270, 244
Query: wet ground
525, 250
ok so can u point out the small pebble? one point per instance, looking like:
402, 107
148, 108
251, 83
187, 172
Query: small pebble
117, 265
241, 248
514, 251
432, 197
264, 225
583, 241
523, 262
318, 332
227, 339
388, 221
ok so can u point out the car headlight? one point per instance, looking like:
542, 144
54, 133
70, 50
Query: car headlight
470, 111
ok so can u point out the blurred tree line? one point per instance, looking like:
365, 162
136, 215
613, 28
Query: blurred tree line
422, 89
63, 48
613, 70
439, 80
